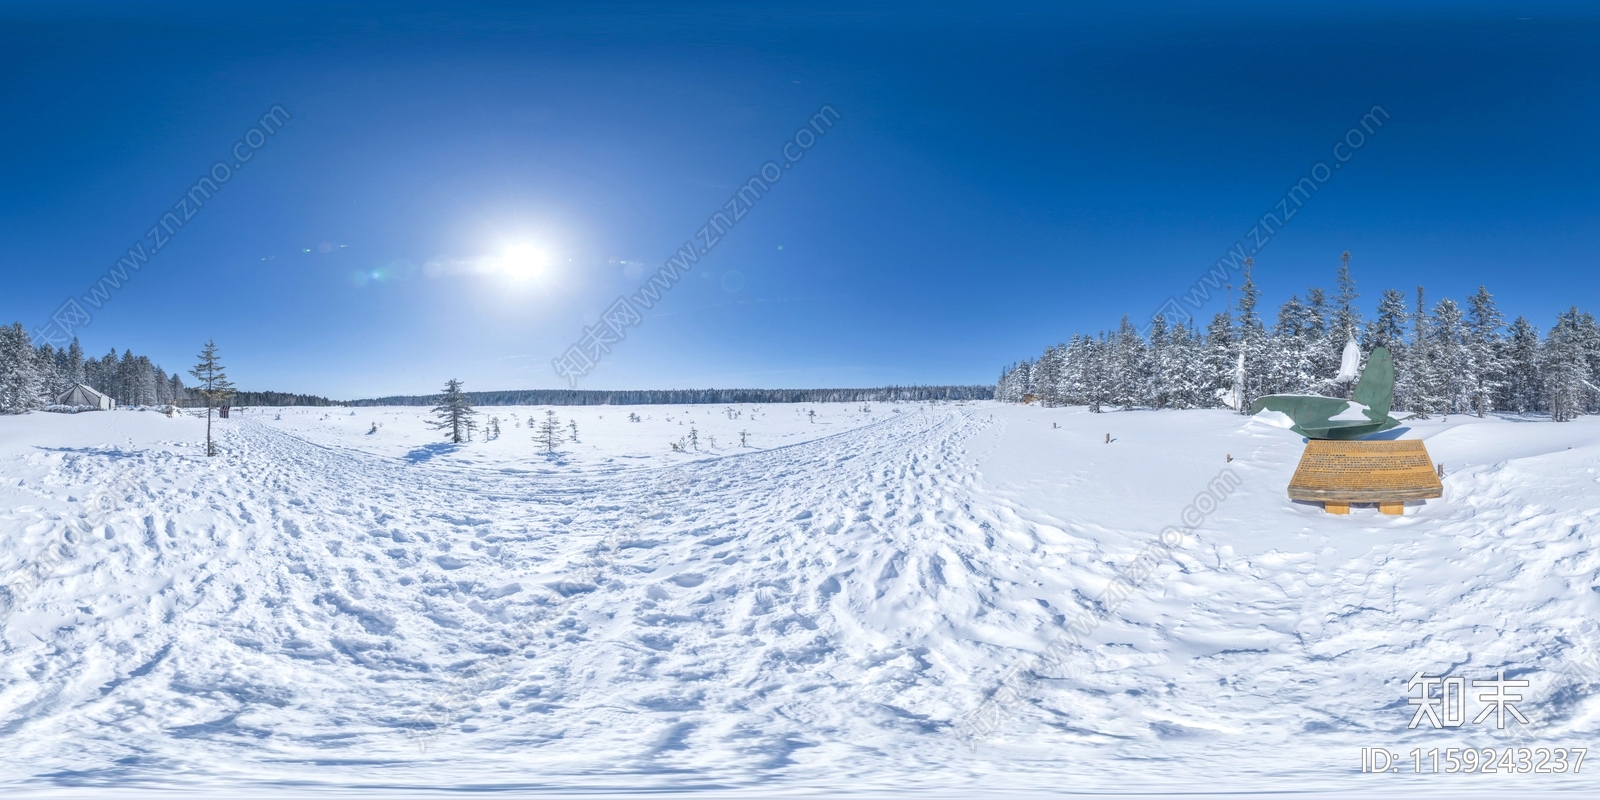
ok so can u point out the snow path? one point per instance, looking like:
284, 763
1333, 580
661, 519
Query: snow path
300, 614
300, 602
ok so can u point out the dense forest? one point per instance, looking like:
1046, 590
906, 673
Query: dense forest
599, 397
32, 378
1449, 358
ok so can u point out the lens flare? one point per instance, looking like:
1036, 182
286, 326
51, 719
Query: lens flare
523, 261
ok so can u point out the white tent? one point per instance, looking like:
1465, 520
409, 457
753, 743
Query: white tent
81, 396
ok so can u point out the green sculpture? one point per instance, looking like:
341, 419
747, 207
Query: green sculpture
1317, 417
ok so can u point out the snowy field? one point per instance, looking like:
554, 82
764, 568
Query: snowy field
326, 606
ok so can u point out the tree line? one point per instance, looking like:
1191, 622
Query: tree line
598, 397
1450, 358
33, 377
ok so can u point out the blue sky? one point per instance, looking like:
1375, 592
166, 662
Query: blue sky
488, 179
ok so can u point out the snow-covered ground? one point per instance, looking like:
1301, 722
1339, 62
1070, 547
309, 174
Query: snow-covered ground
827, 609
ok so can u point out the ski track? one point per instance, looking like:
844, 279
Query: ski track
817, 614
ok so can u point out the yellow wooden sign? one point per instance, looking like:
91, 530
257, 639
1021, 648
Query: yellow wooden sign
1388, 473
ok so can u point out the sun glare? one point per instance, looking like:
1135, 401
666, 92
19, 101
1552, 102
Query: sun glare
523, 261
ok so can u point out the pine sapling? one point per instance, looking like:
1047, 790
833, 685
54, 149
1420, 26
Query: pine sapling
214, 386
549, 432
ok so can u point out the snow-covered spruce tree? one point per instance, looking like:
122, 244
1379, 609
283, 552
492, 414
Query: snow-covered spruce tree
1346, 322
1069, 387
1186, 371
549, 432
1287, 354
1009, 388
127, 388
52, 373
453, 413
1589, 337
19, 372
1221, 356
1047, 374
1128, 367
1252, 340
1486, 350
1452, 361
1523, 389
180, 393
163, 388
1565, 368
1160, 350
1096, 376
1322, 347
1427, 392
75, 365
214, 387
1177, 368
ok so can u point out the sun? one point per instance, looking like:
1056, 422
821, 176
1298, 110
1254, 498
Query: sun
522, 262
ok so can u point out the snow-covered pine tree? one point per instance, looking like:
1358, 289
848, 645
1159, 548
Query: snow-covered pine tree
1287, 360
163, 388
1323, 347
1452, 359
1346, 322
127, 379
453, 413
1389, 328
1565, 368
1130, 367
49, 370
1523, 388
19, 371
1589, 339
1252, 341
1221, 356
144, 381
1096, 368
1183, 370
214, 386
75, 365
1160, 353
1486, 350
1421, 363
1047, 374
1013, 381
1070, 388
103, 378
549, 431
